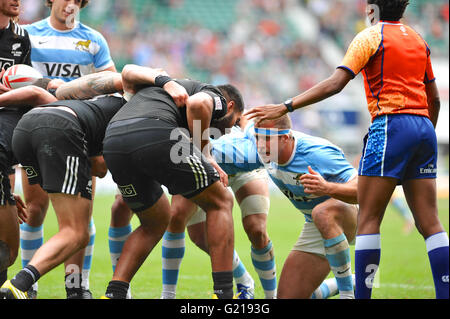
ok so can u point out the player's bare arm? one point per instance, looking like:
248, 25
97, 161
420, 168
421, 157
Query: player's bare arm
315, 184
199, 109
26, 96
329, 87
434, 102
135, 76
90, 86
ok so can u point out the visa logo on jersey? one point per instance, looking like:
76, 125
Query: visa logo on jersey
63, 70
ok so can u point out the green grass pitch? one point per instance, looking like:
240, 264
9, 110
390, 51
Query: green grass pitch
404, 270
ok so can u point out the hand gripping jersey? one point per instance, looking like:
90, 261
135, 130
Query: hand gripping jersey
67, 55
395, 63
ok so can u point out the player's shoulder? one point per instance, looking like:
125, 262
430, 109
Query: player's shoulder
372, 33
90, 32
19, 30
310, 146
36, 27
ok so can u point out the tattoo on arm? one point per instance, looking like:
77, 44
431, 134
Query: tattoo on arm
88, 86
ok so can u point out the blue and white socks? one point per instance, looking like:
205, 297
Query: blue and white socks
173, 248
89, 250
337, 252
116, 239
240, 273
264, 262
31, 239
437, 248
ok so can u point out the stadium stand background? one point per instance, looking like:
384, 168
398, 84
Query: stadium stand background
271, 50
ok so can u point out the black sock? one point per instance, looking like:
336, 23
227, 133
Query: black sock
223, 284
26, 278
3, 276
117, 289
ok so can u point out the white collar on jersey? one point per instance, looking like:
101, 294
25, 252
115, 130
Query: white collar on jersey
77, 23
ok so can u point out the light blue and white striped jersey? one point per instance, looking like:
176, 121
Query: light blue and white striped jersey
70, 54
324, 157
235, 153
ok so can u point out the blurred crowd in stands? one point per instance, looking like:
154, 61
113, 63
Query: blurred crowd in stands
249, 43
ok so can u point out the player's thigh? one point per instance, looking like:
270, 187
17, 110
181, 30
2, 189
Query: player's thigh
302, 273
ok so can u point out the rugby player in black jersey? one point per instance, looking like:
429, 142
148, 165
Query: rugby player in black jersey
148, 144
14, 49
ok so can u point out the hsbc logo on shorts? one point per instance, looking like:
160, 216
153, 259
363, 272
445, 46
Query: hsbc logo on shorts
127, 190
30, 171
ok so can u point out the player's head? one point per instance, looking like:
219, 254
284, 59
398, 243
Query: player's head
235, 107
10, 8
81, 3
390, 10
64, 11
273, 138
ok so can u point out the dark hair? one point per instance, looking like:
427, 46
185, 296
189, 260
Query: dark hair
231, 93
390, 10
84, 3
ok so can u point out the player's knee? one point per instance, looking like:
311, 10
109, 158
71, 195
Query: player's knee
323, 218
6, 258
257, 234
77, 239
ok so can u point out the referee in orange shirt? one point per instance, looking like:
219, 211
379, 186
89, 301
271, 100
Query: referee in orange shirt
401, 145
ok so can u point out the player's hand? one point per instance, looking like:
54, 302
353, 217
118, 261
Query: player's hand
314, 184
98, 166
21, 209
266, 112
3, 88
222, 174
55, 84
177, 92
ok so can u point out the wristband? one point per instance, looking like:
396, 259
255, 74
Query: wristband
161, 80
288, 104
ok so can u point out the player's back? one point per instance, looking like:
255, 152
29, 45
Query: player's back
400, 69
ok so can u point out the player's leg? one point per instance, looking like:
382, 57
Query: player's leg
154, 221
302, 273
119, 228
422, 199
173, 244
197, 233
217, 202
77, 267
336, 221
9, 232
32, 232
252, 195
374, 194
72, 213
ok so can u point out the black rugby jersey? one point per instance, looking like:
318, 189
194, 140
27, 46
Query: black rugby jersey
94, 115
155, 102
15, 46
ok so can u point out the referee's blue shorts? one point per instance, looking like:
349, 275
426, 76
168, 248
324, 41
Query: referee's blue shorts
402, 146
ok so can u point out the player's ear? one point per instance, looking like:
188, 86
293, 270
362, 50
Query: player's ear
230, 107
